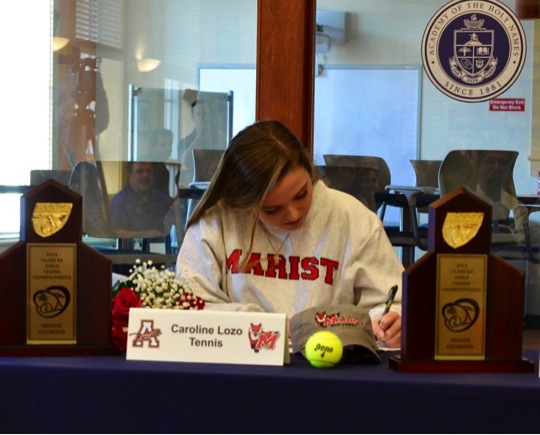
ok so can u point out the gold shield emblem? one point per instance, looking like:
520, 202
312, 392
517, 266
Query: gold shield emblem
460, 228
50, 217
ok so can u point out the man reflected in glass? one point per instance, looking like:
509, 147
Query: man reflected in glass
139, 209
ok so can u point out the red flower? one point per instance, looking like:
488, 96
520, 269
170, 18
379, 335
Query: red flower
157, 289
119, 337
125, 299
195, 302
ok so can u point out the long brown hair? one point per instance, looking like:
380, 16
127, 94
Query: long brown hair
256, 158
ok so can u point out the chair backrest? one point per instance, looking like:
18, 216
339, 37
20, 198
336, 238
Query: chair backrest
384, 178
488, 173
362, 177
427, 172
38, 176
206, 163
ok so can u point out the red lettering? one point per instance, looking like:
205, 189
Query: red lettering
254, 264
311, 271
282, 263
234, 260
271, 271
293, 269
267, 340
308, 268
331, 267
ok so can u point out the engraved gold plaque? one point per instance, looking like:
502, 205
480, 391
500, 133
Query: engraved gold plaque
51, 293
460, 325
50, 217
460, 228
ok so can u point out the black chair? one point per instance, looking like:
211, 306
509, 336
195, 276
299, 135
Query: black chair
427, 177
402, 234
38, 176
413, 232
489, 175
426, 172
206, 162
362, 176
356, 181
407, 233
411, 235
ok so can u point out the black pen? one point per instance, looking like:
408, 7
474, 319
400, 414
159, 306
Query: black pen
390, 299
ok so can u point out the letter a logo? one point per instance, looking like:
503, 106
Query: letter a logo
147, 334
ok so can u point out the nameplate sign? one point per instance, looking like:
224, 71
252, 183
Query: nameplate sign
207, 337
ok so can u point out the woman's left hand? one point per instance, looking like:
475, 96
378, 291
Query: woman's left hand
387, 329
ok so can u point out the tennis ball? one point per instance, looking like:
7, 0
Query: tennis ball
324, 349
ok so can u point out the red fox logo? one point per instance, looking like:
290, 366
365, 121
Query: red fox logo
260, 339
323, 319
336, 319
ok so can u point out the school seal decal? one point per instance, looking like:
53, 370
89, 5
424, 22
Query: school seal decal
473, 51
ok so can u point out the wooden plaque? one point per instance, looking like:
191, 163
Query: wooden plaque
462, 305
55, 293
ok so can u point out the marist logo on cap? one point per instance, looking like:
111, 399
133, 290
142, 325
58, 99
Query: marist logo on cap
473, 51
324, 319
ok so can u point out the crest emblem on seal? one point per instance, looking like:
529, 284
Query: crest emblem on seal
50, 217
473, 51
473, 60
460, 228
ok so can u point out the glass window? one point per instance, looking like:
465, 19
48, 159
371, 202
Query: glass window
129, 70
372, 95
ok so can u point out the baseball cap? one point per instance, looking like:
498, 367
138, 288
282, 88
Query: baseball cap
350, 323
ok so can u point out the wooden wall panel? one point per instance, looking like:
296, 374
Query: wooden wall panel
528, 9
285, 64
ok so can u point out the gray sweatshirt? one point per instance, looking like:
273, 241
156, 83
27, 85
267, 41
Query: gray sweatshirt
341, 255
